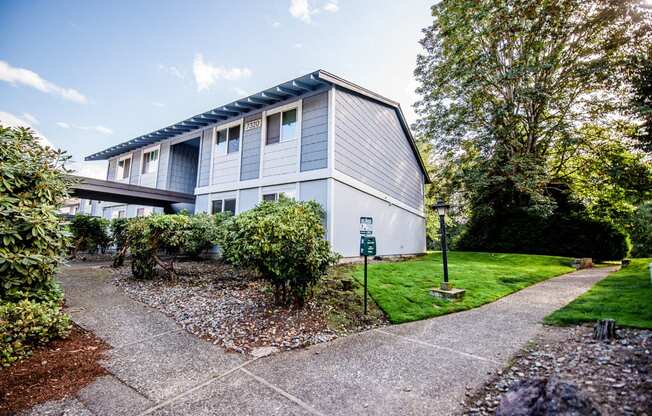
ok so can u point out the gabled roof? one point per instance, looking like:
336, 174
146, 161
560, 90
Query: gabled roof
241, 107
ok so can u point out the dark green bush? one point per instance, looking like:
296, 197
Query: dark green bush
120, 239
284, 241
569, 234
89, 234
32, 188
25, 325
641, 231
203, 233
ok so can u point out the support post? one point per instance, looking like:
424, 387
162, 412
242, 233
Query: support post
365, 285
444, 250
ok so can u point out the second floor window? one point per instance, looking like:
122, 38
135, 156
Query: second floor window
228, 140
124, 166
149, 161
282, 127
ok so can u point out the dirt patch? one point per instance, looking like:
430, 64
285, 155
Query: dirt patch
53, 372
616, 375
235, 309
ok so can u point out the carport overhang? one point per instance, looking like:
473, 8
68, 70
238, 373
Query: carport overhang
109, 191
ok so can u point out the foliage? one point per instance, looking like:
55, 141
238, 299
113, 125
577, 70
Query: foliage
33, 186
505, 84
401, 289
623, 296
641, 231
27, 324
562, 234
284, 241
203, 233
148, 237
641, 76
120, 239
89, 233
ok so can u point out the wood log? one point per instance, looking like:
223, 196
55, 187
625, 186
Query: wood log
604, 329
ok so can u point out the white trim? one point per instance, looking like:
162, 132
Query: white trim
310, 175
201, 147
210, 167
354, 183
330, 217
299, 132
263, 139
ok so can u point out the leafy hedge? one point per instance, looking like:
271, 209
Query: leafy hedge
33, 186
89, 234
284, 241
26, 324
570, 234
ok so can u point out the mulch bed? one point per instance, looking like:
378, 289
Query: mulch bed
52, 372
616, 375
235, 309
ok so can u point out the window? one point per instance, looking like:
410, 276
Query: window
271, 197
122, 213
149, 161
234, 139
140, 212
223, 205
124, 166
282, 127
228, 140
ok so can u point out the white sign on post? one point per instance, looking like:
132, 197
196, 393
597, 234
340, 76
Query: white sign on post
366, 225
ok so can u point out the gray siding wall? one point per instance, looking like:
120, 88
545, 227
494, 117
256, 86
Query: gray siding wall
316, 191
248, 199
183, 172
113, 166
135, 166
205, 157
164, 166
250, 163
201, 203
371, 146
314, 132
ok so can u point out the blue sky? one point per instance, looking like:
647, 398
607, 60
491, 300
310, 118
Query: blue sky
90, 74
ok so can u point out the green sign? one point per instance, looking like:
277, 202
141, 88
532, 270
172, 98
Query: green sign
367, 246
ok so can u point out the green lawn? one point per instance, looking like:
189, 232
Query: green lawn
401, 289
625, 296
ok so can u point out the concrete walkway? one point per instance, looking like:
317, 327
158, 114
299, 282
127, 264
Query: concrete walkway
420, 368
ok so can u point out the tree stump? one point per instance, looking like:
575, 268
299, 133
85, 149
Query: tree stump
604, 329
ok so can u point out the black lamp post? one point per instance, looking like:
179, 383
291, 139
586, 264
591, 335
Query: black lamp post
442, 209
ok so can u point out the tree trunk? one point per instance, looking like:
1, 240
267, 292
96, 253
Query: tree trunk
169, 269
604, 329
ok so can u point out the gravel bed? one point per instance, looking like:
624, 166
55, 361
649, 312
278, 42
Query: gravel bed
230, 307
616, 375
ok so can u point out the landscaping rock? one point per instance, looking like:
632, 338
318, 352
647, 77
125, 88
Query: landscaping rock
545, 397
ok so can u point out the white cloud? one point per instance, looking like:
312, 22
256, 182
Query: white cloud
301, 10
98, 129
29, 78
158, 104
298, 45
172, 70
11, 120
207, 74
90, 169
331, 6
276, 24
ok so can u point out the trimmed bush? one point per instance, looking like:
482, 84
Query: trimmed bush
120, 239
570, 235
89, 234
33, 186
25, 325
284, 241
203, 233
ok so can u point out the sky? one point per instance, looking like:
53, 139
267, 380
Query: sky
86, 75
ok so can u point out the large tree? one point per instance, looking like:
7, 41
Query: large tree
509, 87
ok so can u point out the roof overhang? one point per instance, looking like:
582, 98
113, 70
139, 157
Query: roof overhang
249, 105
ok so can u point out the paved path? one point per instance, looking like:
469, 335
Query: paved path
420, 368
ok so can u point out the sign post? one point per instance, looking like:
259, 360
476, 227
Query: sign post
367, 248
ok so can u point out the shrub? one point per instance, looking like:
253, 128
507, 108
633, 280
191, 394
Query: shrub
284, 241
148, 236
25, 325
33, 186
203, 233
89, 233
119, 238
568, 234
